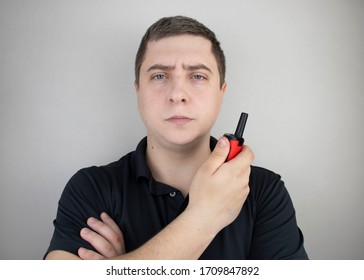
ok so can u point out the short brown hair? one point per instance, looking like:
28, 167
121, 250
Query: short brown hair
179, 25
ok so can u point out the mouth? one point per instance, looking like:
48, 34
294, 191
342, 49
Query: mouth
180, 120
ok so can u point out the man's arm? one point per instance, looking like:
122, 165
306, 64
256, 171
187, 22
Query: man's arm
179, 240
217, 194
61, 255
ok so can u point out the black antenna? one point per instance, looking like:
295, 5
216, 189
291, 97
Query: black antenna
241, 125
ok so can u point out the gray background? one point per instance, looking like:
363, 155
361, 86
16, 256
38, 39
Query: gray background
67, 101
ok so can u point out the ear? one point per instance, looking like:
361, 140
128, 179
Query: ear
136, 87
223, 88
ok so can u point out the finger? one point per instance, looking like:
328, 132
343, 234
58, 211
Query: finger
110, 222
117, 240
244, 158
241, 165
247, 153
218, 155
87, 254
98, 242
111, 233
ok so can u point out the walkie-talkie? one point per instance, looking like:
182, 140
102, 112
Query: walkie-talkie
236, 140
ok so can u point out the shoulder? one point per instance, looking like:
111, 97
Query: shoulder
98, 180
261, 178
261, 172
276, 234
267, 187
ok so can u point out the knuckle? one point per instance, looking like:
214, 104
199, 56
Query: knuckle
107, 247
115, 238
246, 190
249, 154
247, 151
89, 254
243, 172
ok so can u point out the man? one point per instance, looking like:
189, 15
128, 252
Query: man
175, 197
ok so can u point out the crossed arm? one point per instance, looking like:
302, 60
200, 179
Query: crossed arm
107, 239
210, 209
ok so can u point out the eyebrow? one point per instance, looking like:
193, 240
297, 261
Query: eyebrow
160, 67
196, 67
185, 67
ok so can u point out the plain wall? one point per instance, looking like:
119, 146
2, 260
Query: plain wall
67, 101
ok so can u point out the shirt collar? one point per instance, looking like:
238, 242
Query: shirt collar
140, 165
139, 161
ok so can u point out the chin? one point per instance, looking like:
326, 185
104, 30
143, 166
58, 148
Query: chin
183, 139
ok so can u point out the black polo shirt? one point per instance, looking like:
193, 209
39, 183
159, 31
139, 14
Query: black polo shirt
266, 227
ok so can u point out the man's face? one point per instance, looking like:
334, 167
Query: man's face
179, 93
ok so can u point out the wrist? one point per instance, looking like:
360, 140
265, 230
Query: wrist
201, 222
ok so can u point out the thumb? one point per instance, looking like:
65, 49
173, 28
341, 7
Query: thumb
218, 155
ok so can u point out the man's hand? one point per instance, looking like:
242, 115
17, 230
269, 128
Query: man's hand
219, 189
106, 238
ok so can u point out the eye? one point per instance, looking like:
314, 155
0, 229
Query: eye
198, 77
158, 77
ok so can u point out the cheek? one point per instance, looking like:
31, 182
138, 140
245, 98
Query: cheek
142, 106
148, 107
211, 104
212, 108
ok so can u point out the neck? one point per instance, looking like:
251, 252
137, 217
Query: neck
176, 165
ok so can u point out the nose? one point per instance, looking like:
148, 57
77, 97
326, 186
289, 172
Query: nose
177, 99
178, 93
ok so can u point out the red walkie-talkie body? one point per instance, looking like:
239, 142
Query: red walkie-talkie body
236, 140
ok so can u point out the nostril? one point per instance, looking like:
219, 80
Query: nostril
183, 100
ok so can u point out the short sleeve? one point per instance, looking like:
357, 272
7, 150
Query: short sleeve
83, 197
275, 234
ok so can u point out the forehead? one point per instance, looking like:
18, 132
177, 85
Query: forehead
186, 49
